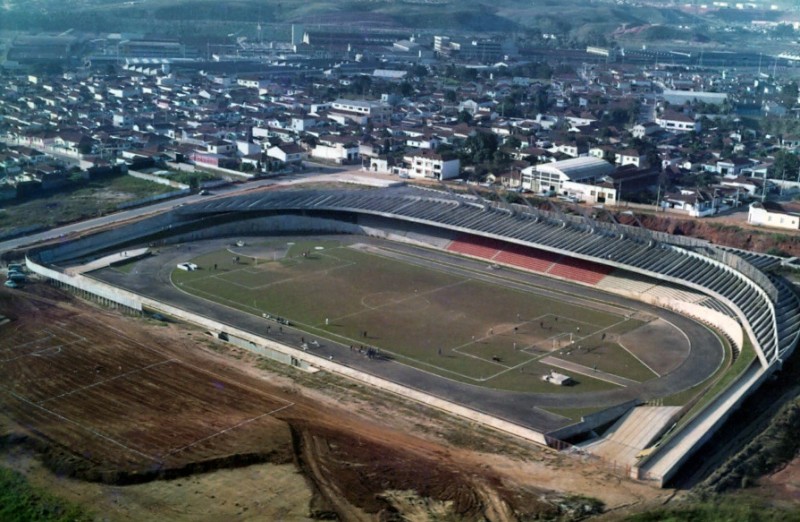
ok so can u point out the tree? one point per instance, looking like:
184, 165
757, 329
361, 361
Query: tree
789, 94
450, 96
405, 89
480, 148
361, 84
513, 142
464, 117
540, 100
786, 165
419, 71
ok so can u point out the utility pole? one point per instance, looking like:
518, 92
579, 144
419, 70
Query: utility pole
783, 179
658, 198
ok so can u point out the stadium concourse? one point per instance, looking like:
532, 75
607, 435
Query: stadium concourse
736, 286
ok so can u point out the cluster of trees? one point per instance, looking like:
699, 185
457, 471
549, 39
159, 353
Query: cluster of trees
786, 165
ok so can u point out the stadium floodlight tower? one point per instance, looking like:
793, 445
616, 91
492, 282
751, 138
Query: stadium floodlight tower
503, 201
619, 230
640, 232
456, 197
481, 199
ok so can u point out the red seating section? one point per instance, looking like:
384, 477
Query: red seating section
476, 246
580, 270
527, 258
530, 259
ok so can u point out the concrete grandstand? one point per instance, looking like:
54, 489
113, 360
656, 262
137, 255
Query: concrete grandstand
736, 288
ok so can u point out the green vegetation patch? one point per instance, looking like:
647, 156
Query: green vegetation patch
19, 501
723, 509
96, 198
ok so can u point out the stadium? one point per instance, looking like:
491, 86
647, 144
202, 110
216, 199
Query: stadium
483, 309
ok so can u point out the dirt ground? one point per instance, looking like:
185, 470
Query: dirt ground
137, 420
782, 488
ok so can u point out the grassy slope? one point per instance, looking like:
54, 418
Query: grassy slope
723, 509
19, 501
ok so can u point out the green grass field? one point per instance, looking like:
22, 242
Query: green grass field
458, 327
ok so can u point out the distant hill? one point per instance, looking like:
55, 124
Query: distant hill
574, 21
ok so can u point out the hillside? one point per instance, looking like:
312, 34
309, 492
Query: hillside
215, 18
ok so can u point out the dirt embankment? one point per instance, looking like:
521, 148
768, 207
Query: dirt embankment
723, 234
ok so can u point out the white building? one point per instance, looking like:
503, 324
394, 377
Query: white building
601, 193
677, 122
361, 110
333, 148
642, 130
431, 165
287, 153
550, 177
630, 157
770, 214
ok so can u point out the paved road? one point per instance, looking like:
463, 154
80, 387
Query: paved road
151, 278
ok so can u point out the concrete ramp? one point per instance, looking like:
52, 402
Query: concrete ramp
126, 255
633, 432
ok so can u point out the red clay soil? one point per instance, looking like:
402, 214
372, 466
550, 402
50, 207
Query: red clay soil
746, 238
119, 400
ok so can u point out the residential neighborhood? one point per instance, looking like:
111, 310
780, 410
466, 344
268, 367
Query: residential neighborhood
671, 136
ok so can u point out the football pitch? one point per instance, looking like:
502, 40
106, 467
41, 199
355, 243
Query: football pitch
449, 324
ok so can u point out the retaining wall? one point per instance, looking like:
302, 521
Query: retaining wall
153, 199
662, 465
119, 296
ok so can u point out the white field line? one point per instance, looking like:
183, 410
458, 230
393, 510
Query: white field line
411, 297
90, 430
230, 428
619, 342
23, 345
42, 351
343, 264
199, 369
120, 376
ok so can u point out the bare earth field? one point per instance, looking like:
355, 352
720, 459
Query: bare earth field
138, 420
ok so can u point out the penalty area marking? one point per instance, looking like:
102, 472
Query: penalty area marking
90, 430
230, 428
88, 386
